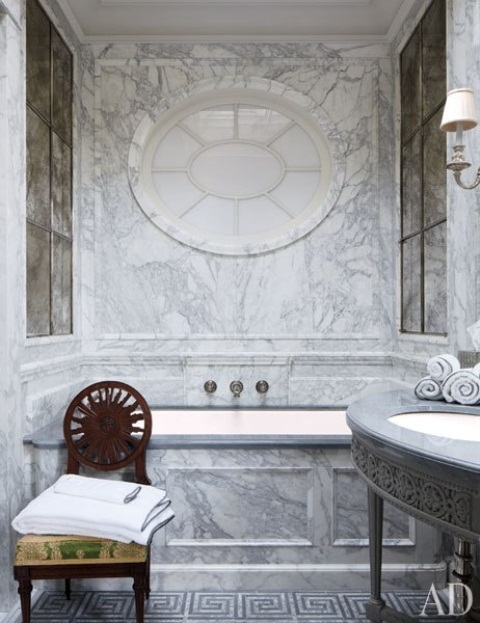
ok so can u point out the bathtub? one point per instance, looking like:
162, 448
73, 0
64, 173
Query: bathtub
249, 427
264, 499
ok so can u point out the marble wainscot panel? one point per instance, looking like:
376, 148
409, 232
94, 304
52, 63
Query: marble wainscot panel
254, 518
273, 517
330, 378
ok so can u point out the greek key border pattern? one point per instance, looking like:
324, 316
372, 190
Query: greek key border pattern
431, 496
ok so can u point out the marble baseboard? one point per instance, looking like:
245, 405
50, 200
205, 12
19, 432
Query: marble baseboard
296, 577
333, 577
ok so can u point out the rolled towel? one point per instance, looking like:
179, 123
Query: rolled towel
441, 366
428, 389
113, 491
462, 387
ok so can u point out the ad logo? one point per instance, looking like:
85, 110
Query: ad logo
460, 600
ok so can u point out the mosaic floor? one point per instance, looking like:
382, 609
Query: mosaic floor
209, 607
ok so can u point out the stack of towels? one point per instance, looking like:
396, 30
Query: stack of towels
110, 509
447, 381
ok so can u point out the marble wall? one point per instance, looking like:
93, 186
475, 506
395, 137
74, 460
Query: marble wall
12, 189
323, 303
464, 251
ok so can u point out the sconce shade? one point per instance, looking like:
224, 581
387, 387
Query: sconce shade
459, 109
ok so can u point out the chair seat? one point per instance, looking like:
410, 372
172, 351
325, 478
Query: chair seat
34, 549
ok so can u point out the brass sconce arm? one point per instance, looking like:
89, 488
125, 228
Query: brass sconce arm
458, 165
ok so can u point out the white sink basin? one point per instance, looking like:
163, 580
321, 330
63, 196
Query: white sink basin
441, 424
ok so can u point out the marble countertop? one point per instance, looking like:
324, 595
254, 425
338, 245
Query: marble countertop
369, 417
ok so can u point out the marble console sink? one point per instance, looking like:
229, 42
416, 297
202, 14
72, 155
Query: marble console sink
450, 425
423, 457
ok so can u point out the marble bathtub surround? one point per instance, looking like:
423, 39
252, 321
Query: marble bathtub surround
259, 506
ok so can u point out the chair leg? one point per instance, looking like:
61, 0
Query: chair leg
68, 589
25, 590
140, 587
147, 588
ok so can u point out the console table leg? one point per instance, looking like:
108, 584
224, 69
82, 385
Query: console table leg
375, 604
464, 571
375, 530
376, 609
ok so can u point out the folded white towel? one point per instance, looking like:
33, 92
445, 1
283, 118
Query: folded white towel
428, 389
462, 387
95, 518
51, 525
106, 490
441, 366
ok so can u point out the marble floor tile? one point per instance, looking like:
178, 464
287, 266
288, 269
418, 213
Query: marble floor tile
219, 607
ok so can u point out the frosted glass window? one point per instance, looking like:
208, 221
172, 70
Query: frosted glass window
214, 214
212, 125
175, 150
177, 191
260, 124
260, 214
296, 148
236, 169
296, 190
237, 173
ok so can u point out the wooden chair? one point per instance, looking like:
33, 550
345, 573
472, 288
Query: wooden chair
106, 427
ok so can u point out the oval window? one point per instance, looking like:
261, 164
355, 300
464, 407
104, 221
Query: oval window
232, 172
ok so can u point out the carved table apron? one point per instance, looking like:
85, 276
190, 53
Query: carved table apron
433, 489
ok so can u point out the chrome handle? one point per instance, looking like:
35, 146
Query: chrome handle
210, 387
262, 387
236, 387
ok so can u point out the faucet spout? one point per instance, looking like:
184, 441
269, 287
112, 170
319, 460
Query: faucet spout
236, 387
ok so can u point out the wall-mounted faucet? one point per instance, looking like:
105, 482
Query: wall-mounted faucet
236, 387
210, 387
262, 387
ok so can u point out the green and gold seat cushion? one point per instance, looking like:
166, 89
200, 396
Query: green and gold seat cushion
34, 549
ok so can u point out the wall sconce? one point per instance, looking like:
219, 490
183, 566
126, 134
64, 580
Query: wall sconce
459, 115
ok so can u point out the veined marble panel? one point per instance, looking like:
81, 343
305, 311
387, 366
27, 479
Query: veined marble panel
260, 506
463, 230
12, 263
257, 518
12, 8
325, 285
350, 525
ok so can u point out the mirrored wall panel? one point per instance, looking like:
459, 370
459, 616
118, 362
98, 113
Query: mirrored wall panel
423, 244
49, 71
